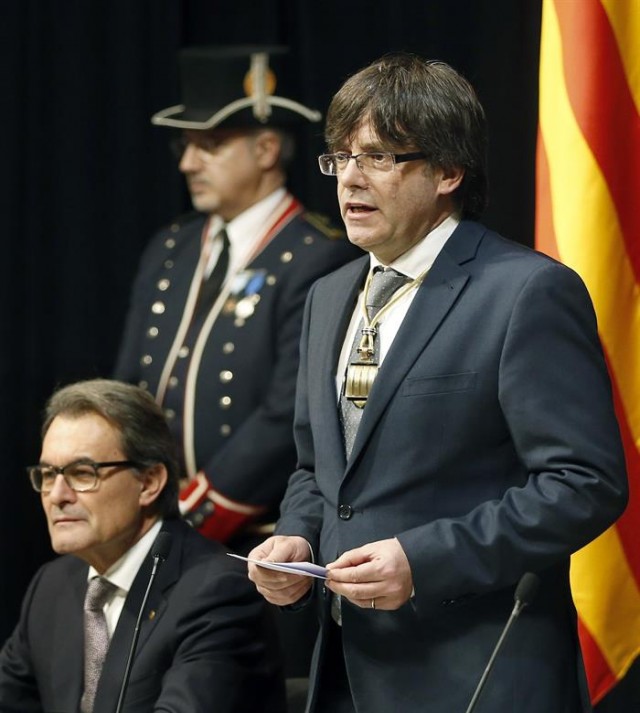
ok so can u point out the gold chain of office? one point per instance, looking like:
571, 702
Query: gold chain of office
362, 373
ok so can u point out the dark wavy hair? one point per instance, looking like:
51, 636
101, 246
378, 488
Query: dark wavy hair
417, 104
144, 433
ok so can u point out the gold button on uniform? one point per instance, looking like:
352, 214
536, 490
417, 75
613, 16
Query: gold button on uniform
226, 376
228, 347
143, 384
286, 256
271, 279
225, 429
183, 352
170, 414
158, 307
146, 360
152, 332
225, 402
168, 264
170, 242
164, 284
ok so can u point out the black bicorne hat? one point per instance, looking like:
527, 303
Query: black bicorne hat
232, 87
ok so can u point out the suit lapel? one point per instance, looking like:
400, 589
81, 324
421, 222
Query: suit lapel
67, 661
432, 304
339, 304
114, 666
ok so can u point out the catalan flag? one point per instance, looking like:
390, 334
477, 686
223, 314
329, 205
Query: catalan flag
588, 216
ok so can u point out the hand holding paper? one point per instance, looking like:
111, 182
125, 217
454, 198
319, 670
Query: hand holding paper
376, 575
265, 562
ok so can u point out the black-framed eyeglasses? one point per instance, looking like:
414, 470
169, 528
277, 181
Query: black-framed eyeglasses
81, 476
332, 164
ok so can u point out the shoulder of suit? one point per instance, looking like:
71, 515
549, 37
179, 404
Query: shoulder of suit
201, 555
61, 568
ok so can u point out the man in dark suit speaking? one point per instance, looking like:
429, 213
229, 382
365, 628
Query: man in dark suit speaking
109, 486
454, 424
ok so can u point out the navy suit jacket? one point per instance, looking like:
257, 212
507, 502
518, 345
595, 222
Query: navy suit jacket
489, 447
205, 641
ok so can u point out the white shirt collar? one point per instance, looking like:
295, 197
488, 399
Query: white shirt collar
246, 229
253, 219
124, 571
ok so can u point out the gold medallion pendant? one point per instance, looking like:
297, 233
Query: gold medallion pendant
362, 373
360, 378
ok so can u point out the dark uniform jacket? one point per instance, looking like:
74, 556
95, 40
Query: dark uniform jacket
230, 390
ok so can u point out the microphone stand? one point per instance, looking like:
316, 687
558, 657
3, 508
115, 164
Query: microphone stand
159, 552
525, 592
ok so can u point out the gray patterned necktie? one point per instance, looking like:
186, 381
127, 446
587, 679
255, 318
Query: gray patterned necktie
96, 637
382, 287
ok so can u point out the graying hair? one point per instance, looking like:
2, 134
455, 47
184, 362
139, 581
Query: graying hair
144, 433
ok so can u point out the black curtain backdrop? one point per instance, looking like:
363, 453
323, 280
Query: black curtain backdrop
86, 179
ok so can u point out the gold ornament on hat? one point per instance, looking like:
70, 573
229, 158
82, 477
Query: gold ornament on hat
259, 83
259, 86
259, 72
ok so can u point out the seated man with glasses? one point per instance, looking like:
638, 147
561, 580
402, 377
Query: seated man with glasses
108, 484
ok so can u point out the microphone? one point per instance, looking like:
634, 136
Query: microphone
159, 552
524, 595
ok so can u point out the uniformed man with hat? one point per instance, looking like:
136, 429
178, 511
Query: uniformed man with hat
216, 308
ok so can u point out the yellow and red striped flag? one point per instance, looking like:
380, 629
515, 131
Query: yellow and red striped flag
587, 215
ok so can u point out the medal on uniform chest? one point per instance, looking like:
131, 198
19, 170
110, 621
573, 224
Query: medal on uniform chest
244, 295
244, 308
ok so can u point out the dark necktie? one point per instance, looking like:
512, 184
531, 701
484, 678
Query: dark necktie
96, 637
210, 288
384, 283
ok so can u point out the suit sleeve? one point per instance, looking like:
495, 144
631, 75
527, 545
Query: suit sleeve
302, 507
555, 396
220, 661
18, 685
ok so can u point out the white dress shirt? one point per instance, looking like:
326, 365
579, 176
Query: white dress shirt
412, 263
122, 574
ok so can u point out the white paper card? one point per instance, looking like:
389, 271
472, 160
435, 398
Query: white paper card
306, 569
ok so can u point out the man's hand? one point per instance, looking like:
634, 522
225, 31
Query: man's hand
376, 575
279, 587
